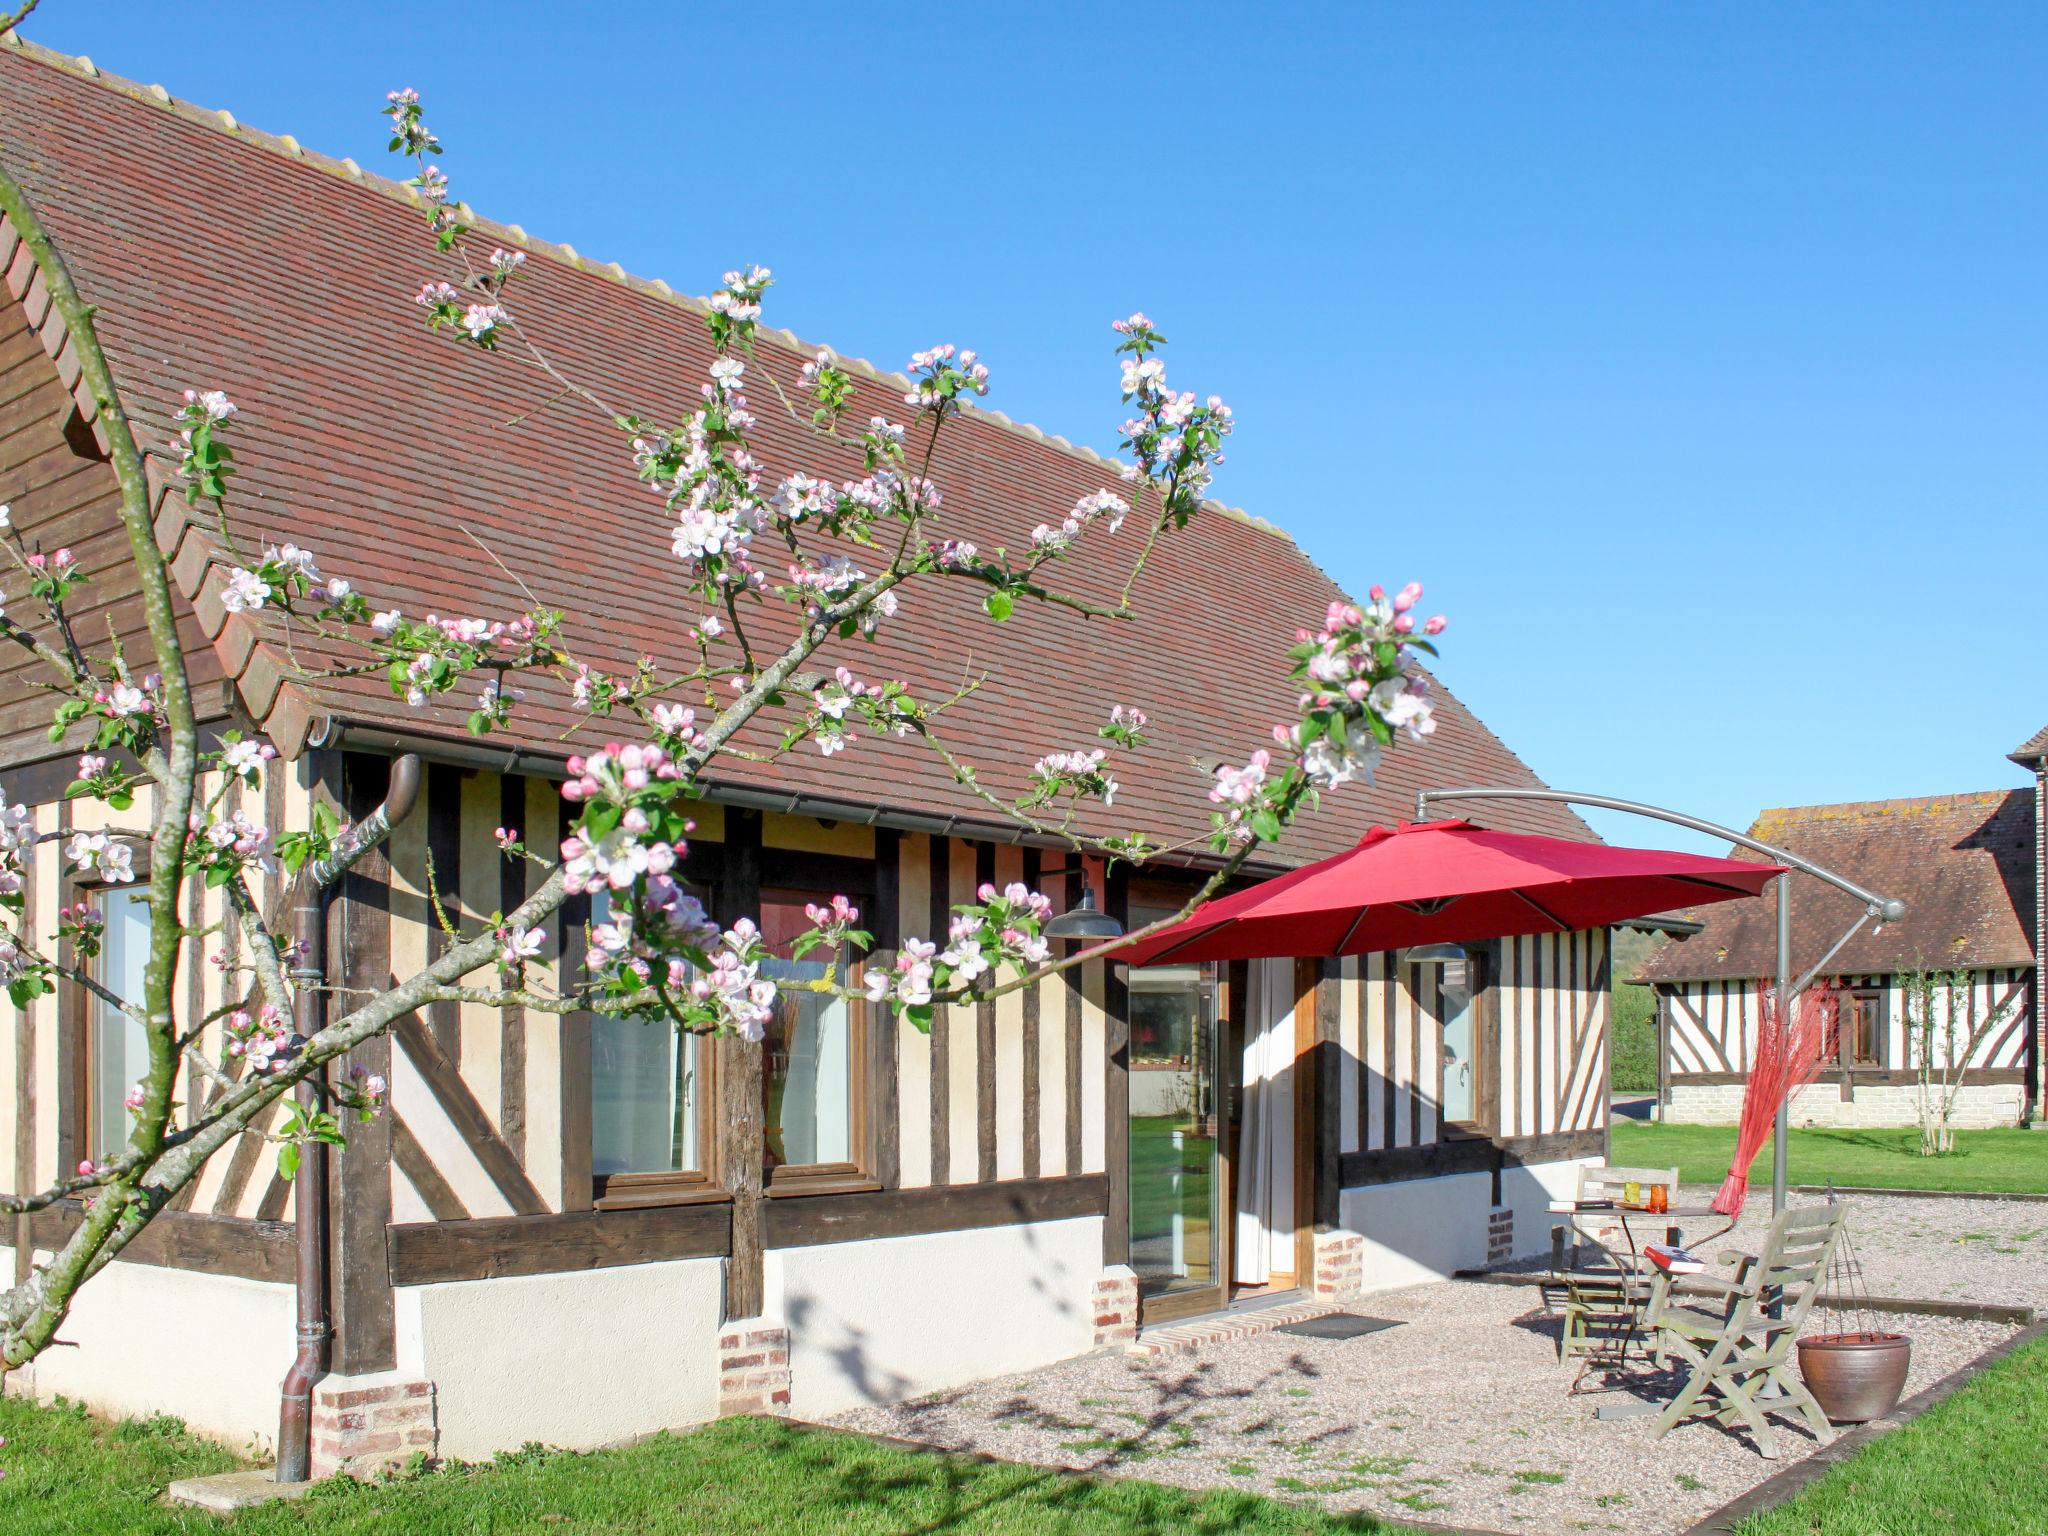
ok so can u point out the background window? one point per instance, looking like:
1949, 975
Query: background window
645, 1090
1460, 1101
808, 1056
1865, 1021
117, 1050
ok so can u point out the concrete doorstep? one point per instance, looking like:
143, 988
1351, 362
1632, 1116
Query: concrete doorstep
226, 1492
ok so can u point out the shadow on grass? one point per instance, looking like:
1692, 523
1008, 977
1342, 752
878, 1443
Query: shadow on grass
918, 1492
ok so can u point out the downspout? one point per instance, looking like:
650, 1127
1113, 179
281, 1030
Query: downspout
309, 1007
2037, 1075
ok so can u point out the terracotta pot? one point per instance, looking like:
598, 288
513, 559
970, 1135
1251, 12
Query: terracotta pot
1855, 1377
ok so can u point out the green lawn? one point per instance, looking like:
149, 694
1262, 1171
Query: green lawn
2000, 1161
1971, 1466
69, 1474
1635, 1039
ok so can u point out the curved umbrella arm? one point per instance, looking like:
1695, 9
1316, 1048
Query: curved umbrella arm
1887, 909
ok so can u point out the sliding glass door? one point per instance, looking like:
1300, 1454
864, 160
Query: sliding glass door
1177, 1244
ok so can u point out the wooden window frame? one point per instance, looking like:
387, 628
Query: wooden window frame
853, 1175
1480, 960
76, 1003
711, 1181
1880, 999
669, 1186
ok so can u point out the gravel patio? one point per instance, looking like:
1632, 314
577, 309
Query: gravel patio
1459, 1416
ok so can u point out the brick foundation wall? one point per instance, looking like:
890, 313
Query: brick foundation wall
1113, 1302
1339, 1264
363, 1423
753, 1367
1978, 1106
1500, 1234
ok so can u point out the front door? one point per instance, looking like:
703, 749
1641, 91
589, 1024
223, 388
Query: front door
1179, 1239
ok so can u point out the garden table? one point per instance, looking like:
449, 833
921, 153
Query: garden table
1614, 1305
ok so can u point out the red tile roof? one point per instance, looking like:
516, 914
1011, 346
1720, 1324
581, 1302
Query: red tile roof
1963, 864
225, 258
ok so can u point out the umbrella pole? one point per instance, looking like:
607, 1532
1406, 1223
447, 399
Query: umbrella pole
1779, 1126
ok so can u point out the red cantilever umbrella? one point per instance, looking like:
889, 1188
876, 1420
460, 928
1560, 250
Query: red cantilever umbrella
1447, 882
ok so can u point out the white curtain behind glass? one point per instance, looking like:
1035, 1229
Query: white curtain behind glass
810, 1091
643, 1090
120, 1048
1265, 1172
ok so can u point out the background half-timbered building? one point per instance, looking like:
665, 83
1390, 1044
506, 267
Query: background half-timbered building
575, 1230
1965, 867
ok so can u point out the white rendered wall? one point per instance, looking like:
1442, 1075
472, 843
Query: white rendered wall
1419, 1229
1428, 1229
895, 1317
210, 1349
576, 1360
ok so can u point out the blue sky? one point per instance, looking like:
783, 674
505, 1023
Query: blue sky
1695, 358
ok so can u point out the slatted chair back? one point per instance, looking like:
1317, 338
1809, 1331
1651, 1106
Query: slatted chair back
1740, 1360
1787, 1279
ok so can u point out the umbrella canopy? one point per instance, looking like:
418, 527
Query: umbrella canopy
1447, 882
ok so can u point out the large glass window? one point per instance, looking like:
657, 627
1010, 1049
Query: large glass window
117, 1051
646, 1091
1461, 1040
808, 1068
1174, 1124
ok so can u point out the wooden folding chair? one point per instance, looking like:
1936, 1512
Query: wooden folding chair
1732, 1356
1601, 1307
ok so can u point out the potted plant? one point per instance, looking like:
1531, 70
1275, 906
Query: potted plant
1858, 1375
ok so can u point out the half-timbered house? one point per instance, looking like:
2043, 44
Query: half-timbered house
1964, 866
572, 1230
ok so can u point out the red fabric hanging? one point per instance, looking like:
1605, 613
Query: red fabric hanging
1785, 1061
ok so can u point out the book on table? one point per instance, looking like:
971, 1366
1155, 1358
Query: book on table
1672, 1259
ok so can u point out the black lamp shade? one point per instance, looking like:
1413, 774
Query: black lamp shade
1084, 922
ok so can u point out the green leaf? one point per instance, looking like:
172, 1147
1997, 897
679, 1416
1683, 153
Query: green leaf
1266, 825
999, 605
288, 1161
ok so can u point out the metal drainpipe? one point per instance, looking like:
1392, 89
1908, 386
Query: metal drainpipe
309, 974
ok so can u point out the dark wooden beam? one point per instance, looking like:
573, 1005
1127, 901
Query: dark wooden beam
573, 922
444, 856
1476, 1154
985, 1046
445, 1081
359, 958
1033, 1152
941, 864
419, 1170
512, 1019
801, 1221
1116, 1115
423, 1253
1326, 1069
742, 1147
212, 1245
884, 1100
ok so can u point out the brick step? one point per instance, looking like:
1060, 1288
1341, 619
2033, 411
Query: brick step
1223, 1327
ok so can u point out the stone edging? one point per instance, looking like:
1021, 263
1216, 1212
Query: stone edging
1904, 1306
1847, 1190
1776, 1490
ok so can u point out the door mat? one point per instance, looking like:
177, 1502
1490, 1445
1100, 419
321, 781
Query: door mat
1339, 1325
